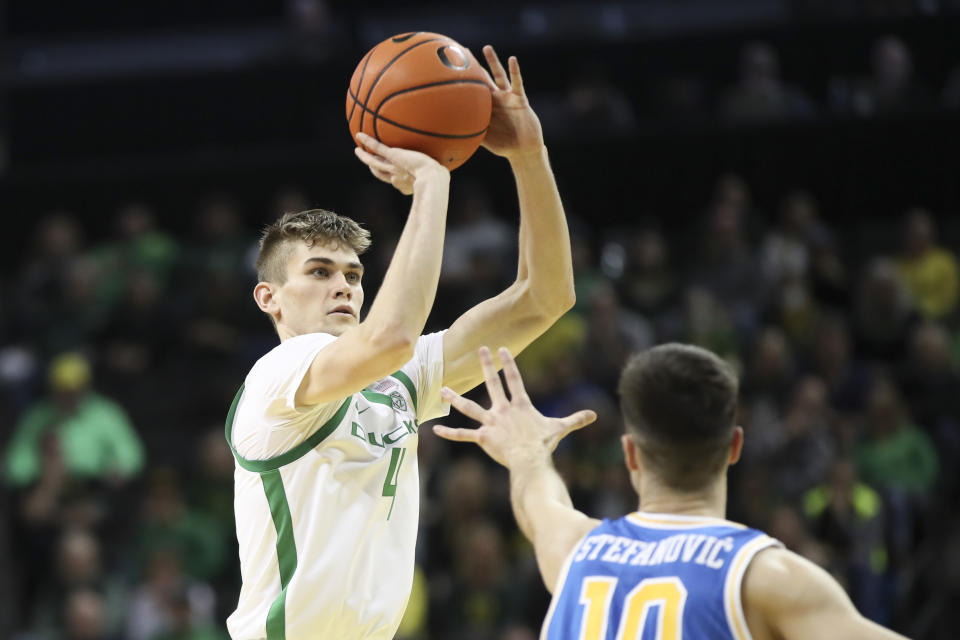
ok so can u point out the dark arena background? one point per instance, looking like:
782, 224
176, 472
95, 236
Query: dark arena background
776, 180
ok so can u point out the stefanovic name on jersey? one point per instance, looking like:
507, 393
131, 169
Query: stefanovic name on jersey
689, 548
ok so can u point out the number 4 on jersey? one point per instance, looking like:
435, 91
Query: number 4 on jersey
667, 594
393, 475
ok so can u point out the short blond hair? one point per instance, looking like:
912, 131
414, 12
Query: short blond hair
312, 226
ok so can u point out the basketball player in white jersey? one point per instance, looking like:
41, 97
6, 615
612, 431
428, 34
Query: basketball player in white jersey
324, 429
675, 568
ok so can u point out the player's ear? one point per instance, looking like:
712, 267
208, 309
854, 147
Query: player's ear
631, 455
736, 445
263, 295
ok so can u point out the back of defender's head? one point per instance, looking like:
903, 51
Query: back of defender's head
314, 226
679, 403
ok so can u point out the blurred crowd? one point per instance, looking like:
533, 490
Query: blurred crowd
883, 82
121, 354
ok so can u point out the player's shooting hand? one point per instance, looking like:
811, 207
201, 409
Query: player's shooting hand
511, 431
402, 168
514, 128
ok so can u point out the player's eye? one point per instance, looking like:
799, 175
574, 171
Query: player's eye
353, 278
320, 273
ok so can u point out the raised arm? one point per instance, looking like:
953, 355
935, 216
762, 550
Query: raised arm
787, 596
543, 290
519, 437
385, 340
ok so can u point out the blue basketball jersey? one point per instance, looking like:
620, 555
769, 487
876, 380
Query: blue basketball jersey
653, 576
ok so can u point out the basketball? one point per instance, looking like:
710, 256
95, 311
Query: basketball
421, 91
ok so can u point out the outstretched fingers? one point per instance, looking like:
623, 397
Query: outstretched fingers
516, 80
492, 379
512, 374
577, 420
465, 406
496, 69
457, 435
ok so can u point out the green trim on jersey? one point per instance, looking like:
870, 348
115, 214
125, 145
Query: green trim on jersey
379, 398
408, 383
271, 464
286, 551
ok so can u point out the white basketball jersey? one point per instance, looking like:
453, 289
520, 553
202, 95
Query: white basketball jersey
327, 520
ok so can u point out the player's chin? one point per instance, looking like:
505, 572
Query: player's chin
337, 323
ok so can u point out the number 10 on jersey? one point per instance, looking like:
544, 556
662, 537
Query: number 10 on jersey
393, 475
666, 594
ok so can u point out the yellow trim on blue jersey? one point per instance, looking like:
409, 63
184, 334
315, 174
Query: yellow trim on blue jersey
732, 596
678, 521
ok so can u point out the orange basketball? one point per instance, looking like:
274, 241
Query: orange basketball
421, 91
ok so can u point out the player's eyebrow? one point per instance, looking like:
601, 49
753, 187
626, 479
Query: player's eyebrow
356, 266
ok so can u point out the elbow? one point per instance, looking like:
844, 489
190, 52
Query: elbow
550, 305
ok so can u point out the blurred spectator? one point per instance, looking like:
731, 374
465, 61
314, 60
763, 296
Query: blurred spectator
92, 432
765, 390
829, 279
649, 284
807, 450
727, 266
847, 515
930, 379
895, 454
883, 314
613, 334
483, 600
595, 104
85, 618
80, 567
58, 242
929, 271
891, 88
478, 247
848, 380
785, 251
168, 602
138, 247
760, 94
140, 331
168, 524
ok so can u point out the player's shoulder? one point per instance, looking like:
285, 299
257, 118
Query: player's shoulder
778, 579
289, 354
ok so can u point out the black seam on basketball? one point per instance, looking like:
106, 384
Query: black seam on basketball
456, 136
376, 113
384, 70
405, 36
366, 61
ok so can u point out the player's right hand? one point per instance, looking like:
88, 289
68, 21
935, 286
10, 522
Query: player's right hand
403, 168
511, 431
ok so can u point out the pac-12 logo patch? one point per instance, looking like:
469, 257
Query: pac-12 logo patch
398, 402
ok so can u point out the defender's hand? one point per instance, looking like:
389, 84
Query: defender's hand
511, 431
402, 168
514, 127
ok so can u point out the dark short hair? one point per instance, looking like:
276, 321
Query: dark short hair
679, 402
311, 226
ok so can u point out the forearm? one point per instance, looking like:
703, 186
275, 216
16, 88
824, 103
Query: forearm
545, 259
410, 284
536, 488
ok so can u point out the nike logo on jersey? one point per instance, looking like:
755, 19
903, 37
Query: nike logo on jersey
359, 410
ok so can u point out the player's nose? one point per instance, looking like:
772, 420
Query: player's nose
341, 288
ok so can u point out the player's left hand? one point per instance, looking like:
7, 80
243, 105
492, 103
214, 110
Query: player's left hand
511, 431
514, 128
